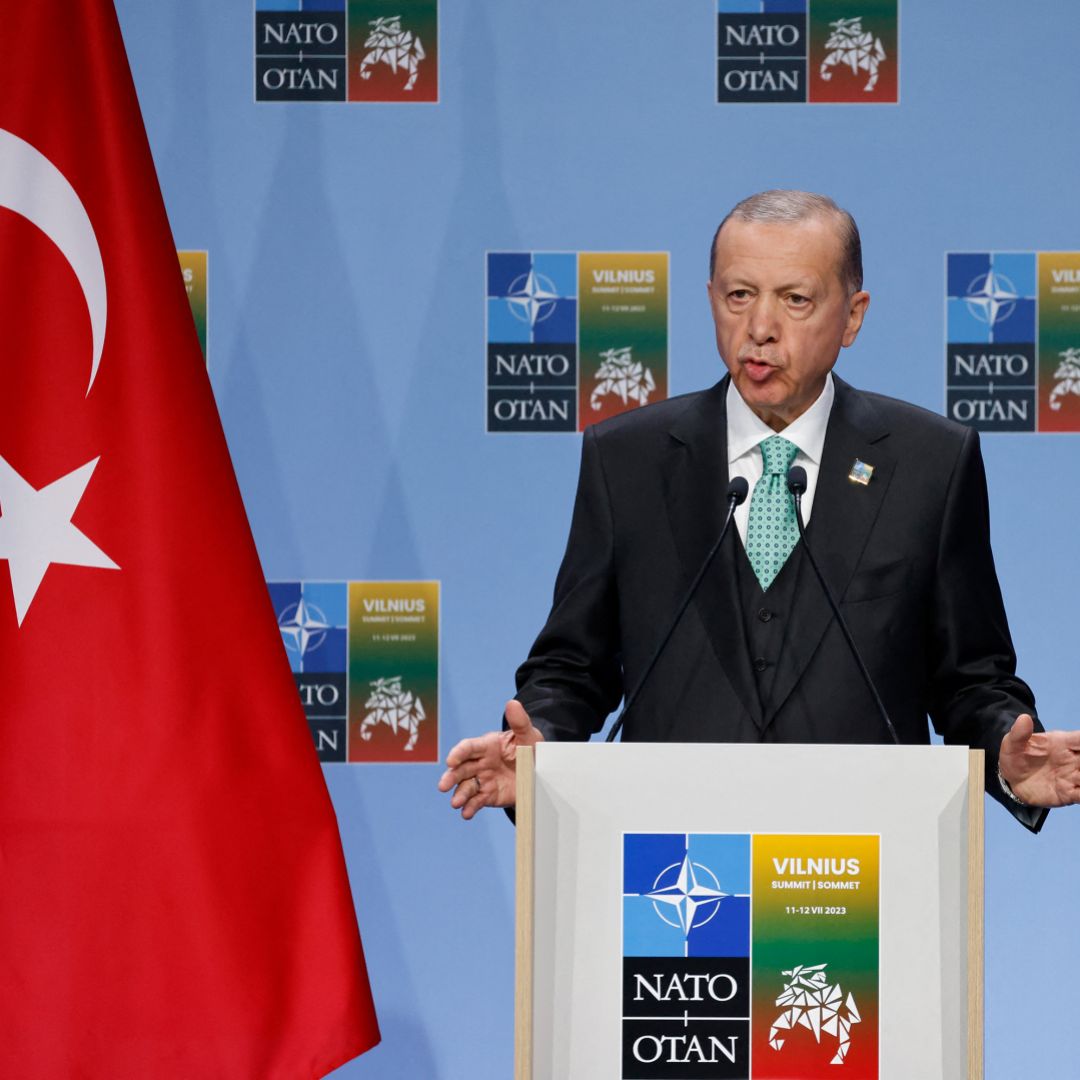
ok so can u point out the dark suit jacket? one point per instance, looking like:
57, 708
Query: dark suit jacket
908, 557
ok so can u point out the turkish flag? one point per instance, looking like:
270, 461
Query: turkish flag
173, 895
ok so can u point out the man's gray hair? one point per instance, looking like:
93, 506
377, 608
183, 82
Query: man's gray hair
778, 207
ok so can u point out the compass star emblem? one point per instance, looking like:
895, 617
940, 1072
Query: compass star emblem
991, 297
532, 297
682, 894
303, 626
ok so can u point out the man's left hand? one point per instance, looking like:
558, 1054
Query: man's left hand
1041, 767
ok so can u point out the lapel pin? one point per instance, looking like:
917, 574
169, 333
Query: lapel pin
860, 473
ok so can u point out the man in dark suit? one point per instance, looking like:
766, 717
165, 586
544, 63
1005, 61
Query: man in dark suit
896, 513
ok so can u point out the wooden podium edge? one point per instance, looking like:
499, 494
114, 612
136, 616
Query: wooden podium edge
523, 930
976, 908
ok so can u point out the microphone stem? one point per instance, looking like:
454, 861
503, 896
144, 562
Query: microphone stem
733, 501
841, 622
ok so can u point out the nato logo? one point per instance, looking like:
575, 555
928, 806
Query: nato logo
816, 51
686, 955
992, 306
346, 50
761, 50
301, 50
313, 618
532, 331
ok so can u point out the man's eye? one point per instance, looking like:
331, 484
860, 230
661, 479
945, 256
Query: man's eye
798, 301
738, 294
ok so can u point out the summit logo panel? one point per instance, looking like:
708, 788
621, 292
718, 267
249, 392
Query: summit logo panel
365, 659
807, 51
750, 956
347, 50
1012, 358
574, 337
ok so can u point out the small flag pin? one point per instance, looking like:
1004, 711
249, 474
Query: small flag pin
860, 473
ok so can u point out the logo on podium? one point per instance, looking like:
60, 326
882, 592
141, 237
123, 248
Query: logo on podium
698, 906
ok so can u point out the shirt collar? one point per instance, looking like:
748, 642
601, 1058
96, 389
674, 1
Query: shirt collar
745, 429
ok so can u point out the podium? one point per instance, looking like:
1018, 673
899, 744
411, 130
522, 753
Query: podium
746, 911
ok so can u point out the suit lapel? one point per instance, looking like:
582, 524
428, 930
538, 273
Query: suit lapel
695, 479
843, 515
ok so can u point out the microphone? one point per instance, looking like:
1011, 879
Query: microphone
796, 484
737, 490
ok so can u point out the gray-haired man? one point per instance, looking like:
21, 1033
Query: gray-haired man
896, 513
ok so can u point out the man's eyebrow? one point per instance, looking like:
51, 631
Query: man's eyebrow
799, 285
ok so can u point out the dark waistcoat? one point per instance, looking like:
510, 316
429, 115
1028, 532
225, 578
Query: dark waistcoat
766, 615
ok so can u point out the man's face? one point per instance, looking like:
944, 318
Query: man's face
781, 312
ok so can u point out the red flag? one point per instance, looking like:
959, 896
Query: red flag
173, 898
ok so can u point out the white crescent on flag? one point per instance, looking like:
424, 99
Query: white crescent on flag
32, 186
35, 524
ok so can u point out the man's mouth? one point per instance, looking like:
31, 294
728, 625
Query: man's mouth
757, 368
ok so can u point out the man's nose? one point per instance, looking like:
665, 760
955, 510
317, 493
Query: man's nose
763, 326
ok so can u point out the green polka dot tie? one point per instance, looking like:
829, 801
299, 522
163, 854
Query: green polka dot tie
772, 531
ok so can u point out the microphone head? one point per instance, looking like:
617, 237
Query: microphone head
738, 489
796, 480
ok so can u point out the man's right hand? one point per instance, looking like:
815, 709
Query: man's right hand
483, 771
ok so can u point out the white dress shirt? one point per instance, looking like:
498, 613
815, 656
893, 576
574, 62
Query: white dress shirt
746, 430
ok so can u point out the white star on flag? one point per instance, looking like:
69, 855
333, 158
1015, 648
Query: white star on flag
36, 530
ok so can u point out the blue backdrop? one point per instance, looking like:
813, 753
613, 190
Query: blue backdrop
347, 355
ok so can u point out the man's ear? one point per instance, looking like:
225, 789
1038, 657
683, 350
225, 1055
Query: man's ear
857, 306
